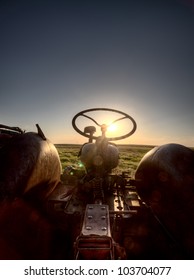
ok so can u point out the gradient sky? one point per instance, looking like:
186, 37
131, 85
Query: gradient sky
60, 57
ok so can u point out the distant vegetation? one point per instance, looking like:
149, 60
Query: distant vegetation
130, 156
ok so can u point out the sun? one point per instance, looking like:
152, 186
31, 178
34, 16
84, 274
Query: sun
112, 127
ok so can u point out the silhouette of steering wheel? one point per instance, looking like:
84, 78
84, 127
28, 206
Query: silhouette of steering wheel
124, 116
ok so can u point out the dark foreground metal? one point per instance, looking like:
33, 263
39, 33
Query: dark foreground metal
93, 214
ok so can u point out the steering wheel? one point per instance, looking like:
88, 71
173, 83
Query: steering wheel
125, 116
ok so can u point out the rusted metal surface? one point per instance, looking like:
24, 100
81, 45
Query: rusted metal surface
26, 160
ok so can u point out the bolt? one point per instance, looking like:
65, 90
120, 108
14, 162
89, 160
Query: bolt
88, 228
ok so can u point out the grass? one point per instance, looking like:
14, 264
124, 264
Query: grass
130, 156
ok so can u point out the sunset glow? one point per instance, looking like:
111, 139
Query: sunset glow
112, 127
58, 58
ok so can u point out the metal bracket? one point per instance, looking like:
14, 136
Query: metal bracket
96, 220
95, 241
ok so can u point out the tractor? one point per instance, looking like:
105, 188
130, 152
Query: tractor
94, 213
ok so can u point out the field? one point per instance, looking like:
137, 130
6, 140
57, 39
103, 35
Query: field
130, 155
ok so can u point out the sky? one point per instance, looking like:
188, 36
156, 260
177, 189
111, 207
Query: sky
61, 57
